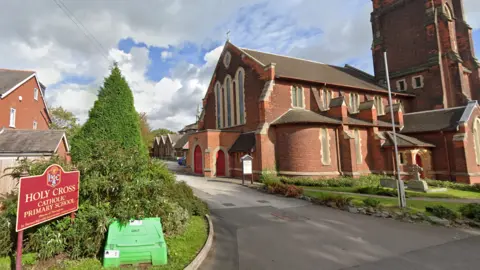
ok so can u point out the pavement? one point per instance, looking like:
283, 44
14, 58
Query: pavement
254, 230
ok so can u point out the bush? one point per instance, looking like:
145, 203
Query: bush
370, 180
377, 191
175, 218
269, 178
293, 191
453, 185
337, 200
471, 211
6, 243
441, 212
371, 202
47, 241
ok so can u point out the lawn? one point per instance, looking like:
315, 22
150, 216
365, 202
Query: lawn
418, 206
449, 194
182, 249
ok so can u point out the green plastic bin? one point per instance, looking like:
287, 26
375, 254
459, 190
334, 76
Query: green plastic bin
138, 242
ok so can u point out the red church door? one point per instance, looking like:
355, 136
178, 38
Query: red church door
197, 156
220, 163
418, 160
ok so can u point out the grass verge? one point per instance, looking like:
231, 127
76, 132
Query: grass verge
182, 249
417, 206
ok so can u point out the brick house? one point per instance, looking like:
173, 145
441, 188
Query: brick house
305, 118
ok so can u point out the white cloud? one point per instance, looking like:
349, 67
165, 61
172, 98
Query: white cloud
166, 55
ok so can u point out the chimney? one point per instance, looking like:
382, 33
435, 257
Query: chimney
338, 108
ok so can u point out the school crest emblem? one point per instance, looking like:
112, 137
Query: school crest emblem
54, 176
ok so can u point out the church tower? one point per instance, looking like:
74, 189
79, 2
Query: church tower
430, 51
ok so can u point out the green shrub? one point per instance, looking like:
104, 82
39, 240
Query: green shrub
112, 118
371, 202
174, 219
47, 241
269, 177
453, 185
338, 200
377, 191
471, 211
370, 180
5, 236
441, 212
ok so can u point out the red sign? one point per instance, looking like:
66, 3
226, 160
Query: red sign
45, 197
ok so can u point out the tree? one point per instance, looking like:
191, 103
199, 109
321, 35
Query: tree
113, 118
147, 134
63, 119
162, 131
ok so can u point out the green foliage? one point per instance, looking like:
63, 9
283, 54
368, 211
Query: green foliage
268, 178
63, 119
47, 241
441, 212
334, 200
363, 181
28, 259
377, 191
453, 185
162, 131
471, 211
112, 118
5, 236
371, 202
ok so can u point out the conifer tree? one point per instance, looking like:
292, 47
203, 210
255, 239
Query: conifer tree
113, 118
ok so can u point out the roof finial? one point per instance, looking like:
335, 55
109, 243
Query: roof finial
228, 35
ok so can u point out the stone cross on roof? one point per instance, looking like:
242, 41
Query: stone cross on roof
415, 171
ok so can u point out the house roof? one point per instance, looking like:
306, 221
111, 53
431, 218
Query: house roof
298, 116
11, 78
295, 68
359, 122
181, 141
163, 138
404, 141
190, 127
174, 138
437, 120
14, 141
244, 143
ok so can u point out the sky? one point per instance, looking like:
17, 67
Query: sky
167, 49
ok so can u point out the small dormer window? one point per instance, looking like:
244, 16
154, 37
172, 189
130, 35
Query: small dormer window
402, 85
226, 59
417, 82
35, 93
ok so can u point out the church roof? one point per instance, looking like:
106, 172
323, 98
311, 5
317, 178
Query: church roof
182, 141
301, 69
437, 120
404, 141
244, 143
301, 116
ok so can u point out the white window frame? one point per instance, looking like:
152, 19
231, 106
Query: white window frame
35, 124
13, 116
404, 83
378, 101
414, 82
326, 98
297, 91
358, 146
325, 146
35, 93
354, 102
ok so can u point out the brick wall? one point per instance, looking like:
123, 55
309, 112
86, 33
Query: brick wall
27, 110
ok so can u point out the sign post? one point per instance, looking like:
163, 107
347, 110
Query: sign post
45, 197
247, 168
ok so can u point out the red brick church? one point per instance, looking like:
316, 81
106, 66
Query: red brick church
304, 118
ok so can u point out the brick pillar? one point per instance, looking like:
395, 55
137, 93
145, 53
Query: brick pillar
207, 166
347, 151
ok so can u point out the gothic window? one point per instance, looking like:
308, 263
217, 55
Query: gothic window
476, 138
448, 12
325, 146
417, 82
379, 105
297, 96
241, 96
228, 89
354, 102
358, 145
402, 85
326, 98
218, 98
